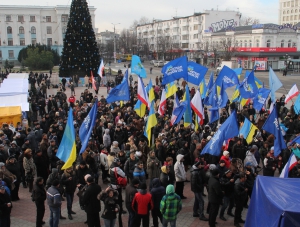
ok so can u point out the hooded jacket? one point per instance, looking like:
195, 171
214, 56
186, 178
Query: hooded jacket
53, 176
197, 179
165, 177
153, 167
142, 202
70, 185
53, 197
157, 192
170, 204
180, 173
106, 138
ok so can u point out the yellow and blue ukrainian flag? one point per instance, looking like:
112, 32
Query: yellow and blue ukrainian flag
140, 108
151, 122
187, 117
67, 148
170, 89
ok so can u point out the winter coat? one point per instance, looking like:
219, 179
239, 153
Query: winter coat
227, 161
197, 179
240, 195
227, 186
165, 177
130, 192
53, 197
4, 199
170, 204
52, 176
113, 180
38, 193
239, 151
29, 166
106, 139
14, 168
180, 174
90, 201
142, 202
214, 190
153, 167
250, 157
103, 160
130, 166
70, 185
139, 174
80, 173
157, 192
110, 204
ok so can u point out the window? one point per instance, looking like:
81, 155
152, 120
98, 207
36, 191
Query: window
49, 30
10, 42
195, 36
184, 45
8, 18
49, 41
48, 18
11, 54
32, 18
9, 30
33, 30
283, 12
241, 43
21, 30
196, 27
20, 18
294, 44
185, 28
295, 17
296, 11
33, 41
245, 43
0, 54
257, 43
290, 43
64, 18
282, 43
185, 37
292, 11
268, 43
250, 43
64, 30
22, 42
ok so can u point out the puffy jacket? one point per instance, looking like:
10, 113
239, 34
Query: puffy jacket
130, 192
170, 204
197, 179
53, 197
130, 166
106, 139
214, 190
139, 174
227, 161
157, 192
70, 185
180, 173
142, 202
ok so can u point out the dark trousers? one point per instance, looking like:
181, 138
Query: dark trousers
5, 221
141, 218
213, 213
69, 197
238, 212
93, 219
40, 211
179, 188
15, 191
227, 201
131, 217
104, 173
155, 215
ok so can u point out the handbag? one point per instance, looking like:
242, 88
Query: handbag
122, 181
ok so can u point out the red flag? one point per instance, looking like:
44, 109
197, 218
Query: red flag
93, 81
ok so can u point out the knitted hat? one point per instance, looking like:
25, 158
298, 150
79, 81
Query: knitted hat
225, 153
1, 164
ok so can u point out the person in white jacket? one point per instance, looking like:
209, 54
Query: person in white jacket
106, 138
180, 175
250, 157
104, 165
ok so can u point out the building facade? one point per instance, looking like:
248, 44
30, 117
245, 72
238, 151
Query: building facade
24, 25
289, 12
266, 45
173, 37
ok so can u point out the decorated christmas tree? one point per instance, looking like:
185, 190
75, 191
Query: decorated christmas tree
80, 53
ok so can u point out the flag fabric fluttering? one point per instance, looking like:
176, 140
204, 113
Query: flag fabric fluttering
178, 112
187, 117
260, 99
162, 104
196, 104
228, 129
235, 95
176, 104
87, 126
248, 131
140, 108
137, 67
227, 77
248, 88
211, 81
203, 89
274, 84
93, 81
272, 126
292, 93
238, 72
120, 92
142, 94
171, 89
195, 72
67, 148
292, 162
296, 140
151, 122
151, 96
196, 122
297, 105
174, 70
101, 69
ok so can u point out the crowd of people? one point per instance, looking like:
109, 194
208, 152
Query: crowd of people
118, 155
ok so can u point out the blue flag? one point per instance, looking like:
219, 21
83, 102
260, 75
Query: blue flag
174, 70
137, 67
296, 140
274, 83
228, 77
120, 92
260, 99
179, 111
196, 73
272, 126
248, 88
87, 126
297, 105
222, 98
229, 129
211, 81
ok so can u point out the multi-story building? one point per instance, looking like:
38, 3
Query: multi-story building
104, 38
289, 12
24, 25
263, 44
182, 35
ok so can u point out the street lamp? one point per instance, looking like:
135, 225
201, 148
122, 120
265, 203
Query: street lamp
115, 55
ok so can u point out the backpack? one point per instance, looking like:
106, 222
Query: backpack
122, 181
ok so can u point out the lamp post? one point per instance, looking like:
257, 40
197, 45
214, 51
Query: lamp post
115, 54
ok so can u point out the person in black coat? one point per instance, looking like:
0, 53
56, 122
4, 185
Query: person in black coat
240, 195
111, 207
157, 192
39, 197
130, 191
197, 186
215, 195
227, 184
81, 170
41, 162
91, 203
12, 165
5, 207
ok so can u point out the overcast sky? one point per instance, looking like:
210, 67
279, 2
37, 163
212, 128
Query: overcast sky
126, 11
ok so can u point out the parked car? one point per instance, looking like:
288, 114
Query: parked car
166, 62
152, 62
159, 64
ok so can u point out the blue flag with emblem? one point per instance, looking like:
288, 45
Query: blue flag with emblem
228, 77
179, 111
120, 92
229, 129
174, 70
248, 88
260, 99
196, 73
87, 126
137, 67
272, 126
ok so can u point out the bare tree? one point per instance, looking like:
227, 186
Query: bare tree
227, 48
244, 21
